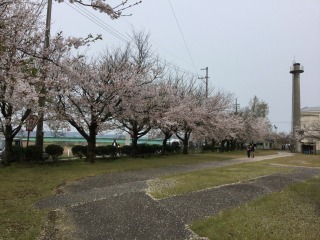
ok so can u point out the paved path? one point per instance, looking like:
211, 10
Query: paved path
116, 206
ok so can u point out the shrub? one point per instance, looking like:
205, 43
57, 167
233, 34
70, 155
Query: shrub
33, 153
112, 150
126, 149
157, 148
145, 148
18, 153
79, 151
175, 147
102, 151
168, 148
54, 151
142, 148
207, 147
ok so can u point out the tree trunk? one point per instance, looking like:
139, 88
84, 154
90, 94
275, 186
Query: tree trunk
39, 132
228, 145
222, 145
241, 146
185, 146
91, 155
91, 152
233, 144
185, 141
134, 151
213, 144
164, 146
164, 142
8, 145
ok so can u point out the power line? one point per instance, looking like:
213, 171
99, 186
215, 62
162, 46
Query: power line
165, 49
125, 39
185, 43
87, 14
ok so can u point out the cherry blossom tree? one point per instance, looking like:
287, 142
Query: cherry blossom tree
256, 123
282, 138
310, 130
186, 115
257, 108
113, 11
19, 75
87, 95
167, 94
221, 124
186, 111
24, 62
138, 101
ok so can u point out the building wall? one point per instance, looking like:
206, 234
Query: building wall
308, 115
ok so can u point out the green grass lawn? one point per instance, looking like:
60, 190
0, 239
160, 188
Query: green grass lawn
291, 214
183, 183
22, 185
304, 160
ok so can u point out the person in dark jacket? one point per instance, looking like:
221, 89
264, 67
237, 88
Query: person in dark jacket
248, 151
252, 150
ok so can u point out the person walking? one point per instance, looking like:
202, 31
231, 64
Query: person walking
248, 151
252, 150
115, 148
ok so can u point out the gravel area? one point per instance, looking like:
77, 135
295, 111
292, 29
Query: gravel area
116, 206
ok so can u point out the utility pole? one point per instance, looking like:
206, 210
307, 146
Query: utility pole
237, 105
48, 24
207, 82
206, 79
39, 132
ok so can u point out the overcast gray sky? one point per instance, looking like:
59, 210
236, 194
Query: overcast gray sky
247, 45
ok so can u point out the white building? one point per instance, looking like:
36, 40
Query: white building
311, 142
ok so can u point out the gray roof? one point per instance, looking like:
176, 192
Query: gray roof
310, 109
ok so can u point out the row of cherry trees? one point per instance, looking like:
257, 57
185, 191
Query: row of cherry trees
26, 67
126, 88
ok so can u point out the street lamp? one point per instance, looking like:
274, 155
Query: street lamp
31, 122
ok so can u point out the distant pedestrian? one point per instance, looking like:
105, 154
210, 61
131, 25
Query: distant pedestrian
115, 144
115, 149
252, 150
248, 151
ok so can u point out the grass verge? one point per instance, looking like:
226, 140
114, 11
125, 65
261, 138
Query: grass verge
182, 183
291, 214
303, 160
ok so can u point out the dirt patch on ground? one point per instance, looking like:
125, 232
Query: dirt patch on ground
58, 227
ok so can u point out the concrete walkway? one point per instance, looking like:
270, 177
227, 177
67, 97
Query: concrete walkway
116, 206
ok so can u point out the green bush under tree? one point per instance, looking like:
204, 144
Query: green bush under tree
79, 151
18, 154
33, 154
54, 151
